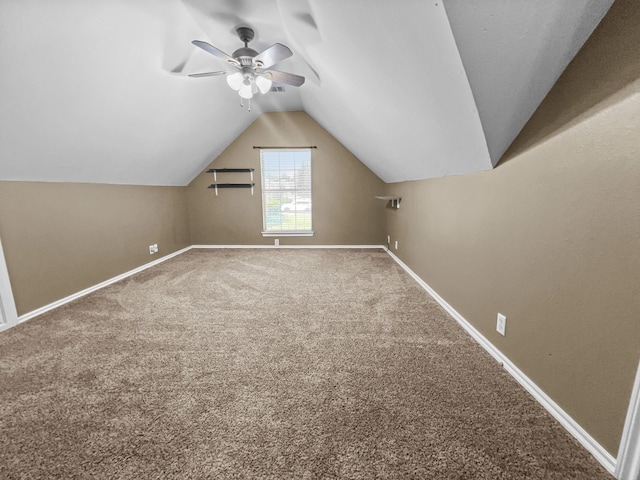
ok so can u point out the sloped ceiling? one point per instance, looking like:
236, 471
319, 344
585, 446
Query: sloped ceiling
94, 91
514, 51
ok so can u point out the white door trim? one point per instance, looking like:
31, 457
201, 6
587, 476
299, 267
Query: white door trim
628, 463
8, 314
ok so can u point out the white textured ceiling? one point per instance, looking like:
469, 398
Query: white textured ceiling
94, 91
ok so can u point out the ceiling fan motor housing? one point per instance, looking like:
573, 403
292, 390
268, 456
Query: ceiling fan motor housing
245, 56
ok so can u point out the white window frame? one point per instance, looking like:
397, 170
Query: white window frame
294, 192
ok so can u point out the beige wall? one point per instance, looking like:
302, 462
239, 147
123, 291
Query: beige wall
551, 237
60, 238
344, 208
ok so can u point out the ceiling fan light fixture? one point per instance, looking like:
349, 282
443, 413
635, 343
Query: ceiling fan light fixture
263, 84
235, 80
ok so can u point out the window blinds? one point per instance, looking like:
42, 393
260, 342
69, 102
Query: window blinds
286, 190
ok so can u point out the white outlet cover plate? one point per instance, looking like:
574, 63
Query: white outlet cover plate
501, 325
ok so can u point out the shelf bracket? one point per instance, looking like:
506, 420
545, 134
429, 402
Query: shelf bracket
392, 199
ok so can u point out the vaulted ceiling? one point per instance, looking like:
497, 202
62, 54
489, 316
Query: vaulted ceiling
95, 91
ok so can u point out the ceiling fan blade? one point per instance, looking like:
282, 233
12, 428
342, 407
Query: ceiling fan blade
284, 77
272, 55
207, 47
207, 74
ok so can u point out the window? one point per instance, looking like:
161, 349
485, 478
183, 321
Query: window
286, 192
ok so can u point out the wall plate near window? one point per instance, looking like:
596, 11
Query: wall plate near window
287, 207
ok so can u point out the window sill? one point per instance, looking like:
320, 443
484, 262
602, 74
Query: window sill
305, 233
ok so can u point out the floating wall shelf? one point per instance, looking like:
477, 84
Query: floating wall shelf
395, 201
215, 171
217, 186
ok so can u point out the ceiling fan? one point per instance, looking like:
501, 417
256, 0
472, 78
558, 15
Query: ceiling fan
254, 69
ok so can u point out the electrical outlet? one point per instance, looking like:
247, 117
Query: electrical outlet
396, 245
276, 242
501, 325
388, 239
153, 248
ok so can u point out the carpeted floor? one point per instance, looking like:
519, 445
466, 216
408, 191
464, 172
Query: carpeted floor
271, 364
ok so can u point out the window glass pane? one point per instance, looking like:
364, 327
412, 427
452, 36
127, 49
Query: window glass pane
286, 190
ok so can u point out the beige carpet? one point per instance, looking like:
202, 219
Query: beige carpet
271, 364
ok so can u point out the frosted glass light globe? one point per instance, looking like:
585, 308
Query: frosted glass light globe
235, 80
263, 84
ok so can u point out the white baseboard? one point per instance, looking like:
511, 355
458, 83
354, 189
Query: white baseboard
86, 291
288, 246
586, 440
